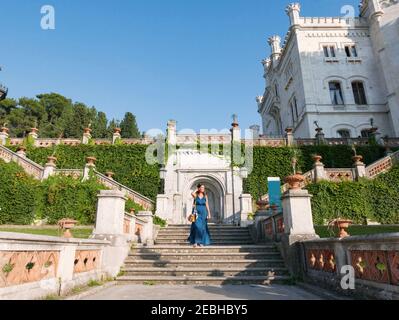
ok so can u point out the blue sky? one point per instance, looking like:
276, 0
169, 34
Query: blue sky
195, 61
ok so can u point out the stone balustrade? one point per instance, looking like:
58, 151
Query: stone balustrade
272, 227
374, 259
34, 266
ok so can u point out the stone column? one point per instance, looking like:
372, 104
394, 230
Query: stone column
49, 168
359, 167
86, 136
147, 235
318, 169
4, 136
235, 132
90, 165
246, 208
117, 135
290, 137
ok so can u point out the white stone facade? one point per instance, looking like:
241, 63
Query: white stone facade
323, 68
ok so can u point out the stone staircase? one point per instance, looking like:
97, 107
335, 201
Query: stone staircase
233, 258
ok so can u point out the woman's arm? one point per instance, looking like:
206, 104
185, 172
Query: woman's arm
207, 207
194, 194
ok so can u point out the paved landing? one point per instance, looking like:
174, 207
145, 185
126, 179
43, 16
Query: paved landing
183, 292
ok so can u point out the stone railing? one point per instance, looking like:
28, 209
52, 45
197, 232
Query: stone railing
136, 228
143, 201
382, 165
272, 227
35, 266
339, 175
74, 173
29, 166
374, 258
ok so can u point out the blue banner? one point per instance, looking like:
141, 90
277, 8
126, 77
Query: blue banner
274, 185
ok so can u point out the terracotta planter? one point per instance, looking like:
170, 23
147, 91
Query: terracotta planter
262, 205
87, 130
21, 148
357, 159
34, 130
343, 225
132, 211
295, 181
5, 130
51, 160
109, 174
67, 225
317, 159
117, 130
91, 160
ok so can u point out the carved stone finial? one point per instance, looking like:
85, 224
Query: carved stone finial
293, 7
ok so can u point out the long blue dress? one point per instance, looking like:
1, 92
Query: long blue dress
199, 230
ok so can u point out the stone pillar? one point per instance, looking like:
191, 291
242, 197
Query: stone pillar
290, 137
49, 168
318, 167
172, 133
21, 151
245, 209
34, 133
90, 165
359, 167
110, 213
298, 222
4, 136
147, 235
86, 136
320, 137
235, 131
293, 10
117, 135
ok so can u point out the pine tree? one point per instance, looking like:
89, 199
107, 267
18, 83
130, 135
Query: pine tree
129, 127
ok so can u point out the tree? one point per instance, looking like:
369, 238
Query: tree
129, 126
100, 126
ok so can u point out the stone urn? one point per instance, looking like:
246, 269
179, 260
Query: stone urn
132, 211
51, 160
357, 159
87, 130
91, 161
295, 181
262, 205
110, 174
342, 225
317, 159
5, 130
67, 225
21, 149
34, 130
117, 130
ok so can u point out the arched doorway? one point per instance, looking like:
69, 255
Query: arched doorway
215, 194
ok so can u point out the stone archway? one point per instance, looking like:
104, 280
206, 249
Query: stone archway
216, 196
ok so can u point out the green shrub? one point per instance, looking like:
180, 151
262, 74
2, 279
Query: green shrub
17, 195
160, 222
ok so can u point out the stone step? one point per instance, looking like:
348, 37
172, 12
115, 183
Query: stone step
202, 272
220, 242
257, 263
215, 236
210, 249
161, 280
205, 256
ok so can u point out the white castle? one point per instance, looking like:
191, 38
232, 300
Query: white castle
341, 74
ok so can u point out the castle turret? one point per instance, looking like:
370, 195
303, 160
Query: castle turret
293, 10
275, 45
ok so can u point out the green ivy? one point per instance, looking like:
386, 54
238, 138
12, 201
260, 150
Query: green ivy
367, 199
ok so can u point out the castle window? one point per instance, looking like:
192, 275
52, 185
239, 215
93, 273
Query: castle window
359, 93
294, 110
337, 97
276, 90
351, 51
365, 133
344, 133
329, 51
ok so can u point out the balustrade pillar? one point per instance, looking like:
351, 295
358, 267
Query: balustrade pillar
147, 234
90, 165
34, 133
86, 136
359, 167
290, 137
319, 171
320, 137
4, 136
49, 168
117, 135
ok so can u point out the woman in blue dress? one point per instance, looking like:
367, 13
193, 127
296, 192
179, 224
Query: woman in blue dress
199, 235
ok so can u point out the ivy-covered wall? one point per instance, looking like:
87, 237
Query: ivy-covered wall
368, 199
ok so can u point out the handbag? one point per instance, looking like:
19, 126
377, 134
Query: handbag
194, 214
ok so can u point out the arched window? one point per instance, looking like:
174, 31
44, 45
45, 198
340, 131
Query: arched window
344, 133
359, 92
337, 98
366, 133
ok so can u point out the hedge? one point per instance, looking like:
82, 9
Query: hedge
368, 199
